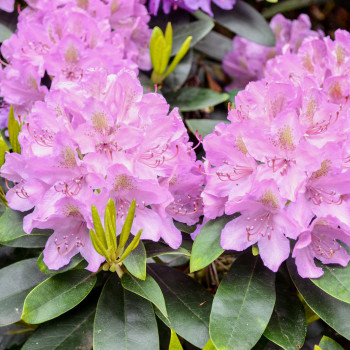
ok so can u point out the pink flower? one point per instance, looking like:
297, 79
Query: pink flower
7, 5
320, 241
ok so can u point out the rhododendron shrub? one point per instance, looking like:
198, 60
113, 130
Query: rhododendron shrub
113, 143
283, 161
135, 215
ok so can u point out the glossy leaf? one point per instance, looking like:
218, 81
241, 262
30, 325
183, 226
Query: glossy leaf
188, 304
158, 248
327, 343
290, 5
148, 289
70, 331
76, 261
193, 98
247, 22
287, 326
14, 129
335, 281
124, 320
203, 126
5, 32
57, 295
333, 311
198, 30
12, 234
16, 281
215, 45
206, 247
174, 342
135, 262
243, 304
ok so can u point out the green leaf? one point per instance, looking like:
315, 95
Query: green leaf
158, 248
124, 320
215, 45
198, 30
335, 281
174, 342
14, 128
193, 98
124, 235
16, 281
209, 345
5, 32
76, 261
206, 247
57, 295
70, 331
329, 344
135, 262
178, 77
12, 234
188, 304
110, 225
203, 126
333, 311
290, 5
247, 22
147, 289
287, 326
99, 231
3, 150
243, 304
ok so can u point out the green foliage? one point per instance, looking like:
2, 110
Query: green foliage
203, 126
174, 342
16, 281
287, 326
14, 129
193, 98
72, 330
124, 320
148, 289
135, 262
333, 311
76, 262
327, 343
188, 304
206, 246
243, 304
57, 295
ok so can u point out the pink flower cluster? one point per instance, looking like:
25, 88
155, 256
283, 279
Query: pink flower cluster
247, 61
284, 160
190, 5
96, 139
62, 39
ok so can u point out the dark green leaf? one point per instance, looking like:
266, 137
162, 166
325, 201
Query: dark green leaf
287, 326
290, 5
181, 72
188, 304
16, 281
147, 289
193, 98
12, 234
333, 311
215, 45
243, 304
124, 320
247, 22
329, 344
136, 262
198, 30
158, 248
203, 126
70, 331
206, 246
335, 281
57, 295
76, 261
